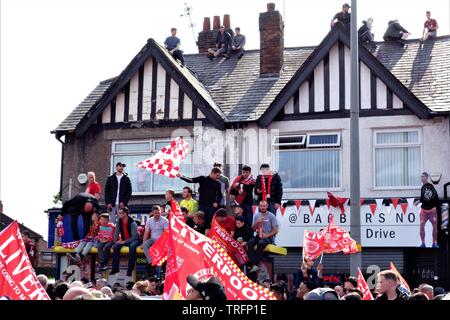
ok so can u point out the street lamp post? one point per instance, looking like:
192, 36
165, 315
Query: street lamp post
355, 215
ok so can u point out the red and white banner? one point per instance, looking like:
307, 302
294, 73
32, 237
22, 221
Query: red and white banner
363, 287
167, 161
337, 239
232, 247
402, 280
313, 243
17, 278
190, 252
330, 240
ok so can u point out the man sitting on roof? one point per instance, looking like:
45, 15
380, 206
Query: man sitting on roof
429, 27
172, 45
395, 32
223, 44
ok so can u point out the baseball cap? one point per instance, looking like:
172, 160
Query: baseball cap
211, 290
319, 294
121, 164
346, 5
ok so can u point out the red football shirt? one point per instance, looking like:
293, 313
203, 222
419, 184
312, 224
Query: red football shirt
431, 25
94, 188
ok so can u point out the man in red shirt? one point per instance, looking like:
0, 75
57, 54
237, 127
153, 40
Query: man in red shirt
225, 221
429, 27
93, 186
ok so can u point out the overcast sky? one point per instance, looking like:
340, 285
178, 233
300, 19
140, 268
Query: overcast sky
54, 52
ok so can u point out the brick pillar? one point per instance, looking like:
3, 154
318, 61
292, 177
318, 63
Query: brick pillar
271, 31
216, 23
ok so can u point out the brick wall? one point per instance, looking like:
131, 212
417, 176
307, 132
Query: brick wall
271, 28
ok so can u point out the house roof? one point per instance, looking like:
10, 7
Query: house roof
424, 71
235, 91
6, 221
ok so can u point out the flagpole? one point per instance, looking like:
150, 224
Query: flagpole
355, 219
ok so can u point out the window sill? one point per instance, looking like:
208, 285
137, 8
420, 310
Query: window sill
395, 188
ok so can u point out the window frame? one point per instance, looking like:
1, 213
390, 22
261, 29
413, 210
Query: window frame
152, 151
317, 146
322, 147
376, 146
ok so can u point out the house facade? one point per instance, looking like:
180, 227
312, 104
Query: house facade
289, 107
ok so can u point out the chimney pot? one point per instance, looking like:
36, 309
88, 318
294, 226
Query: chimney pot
216, 23
206, 24
226, 21
270, 7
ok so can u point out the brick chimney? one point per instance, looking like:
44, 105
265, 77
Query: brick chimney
271, 34
206, 38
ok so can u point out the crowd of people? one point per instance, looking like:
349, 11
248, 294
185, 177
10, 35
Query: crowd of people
309, 284
230, 205
99, 289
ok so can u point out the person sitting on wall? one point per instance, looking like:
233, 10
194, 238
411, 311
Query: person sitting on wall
154, 228
173, 44
223, 44
105, 240
127, 229
84, 204
266, 226
85, 245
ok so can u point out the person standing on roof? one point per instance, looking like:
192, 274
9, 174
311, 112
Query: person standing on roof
429, 27
173, 44
342, 17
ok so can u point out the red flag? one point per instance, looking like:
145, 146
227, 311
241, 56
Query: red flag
336, 201
70, 245
167, 161
232, 247
373, 208
363, 287
402, 280
158, 251
395, 202
17, 278
404, 207
190, 252
313, 244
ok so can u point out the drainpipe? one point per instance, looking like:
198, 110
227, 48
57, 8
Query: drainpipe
58, 137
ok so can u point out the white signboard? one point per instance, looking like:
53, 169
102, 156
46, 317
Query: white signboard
381, 225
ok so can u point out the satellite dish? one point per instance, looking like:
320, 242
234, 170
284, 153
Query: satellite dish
82, 178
